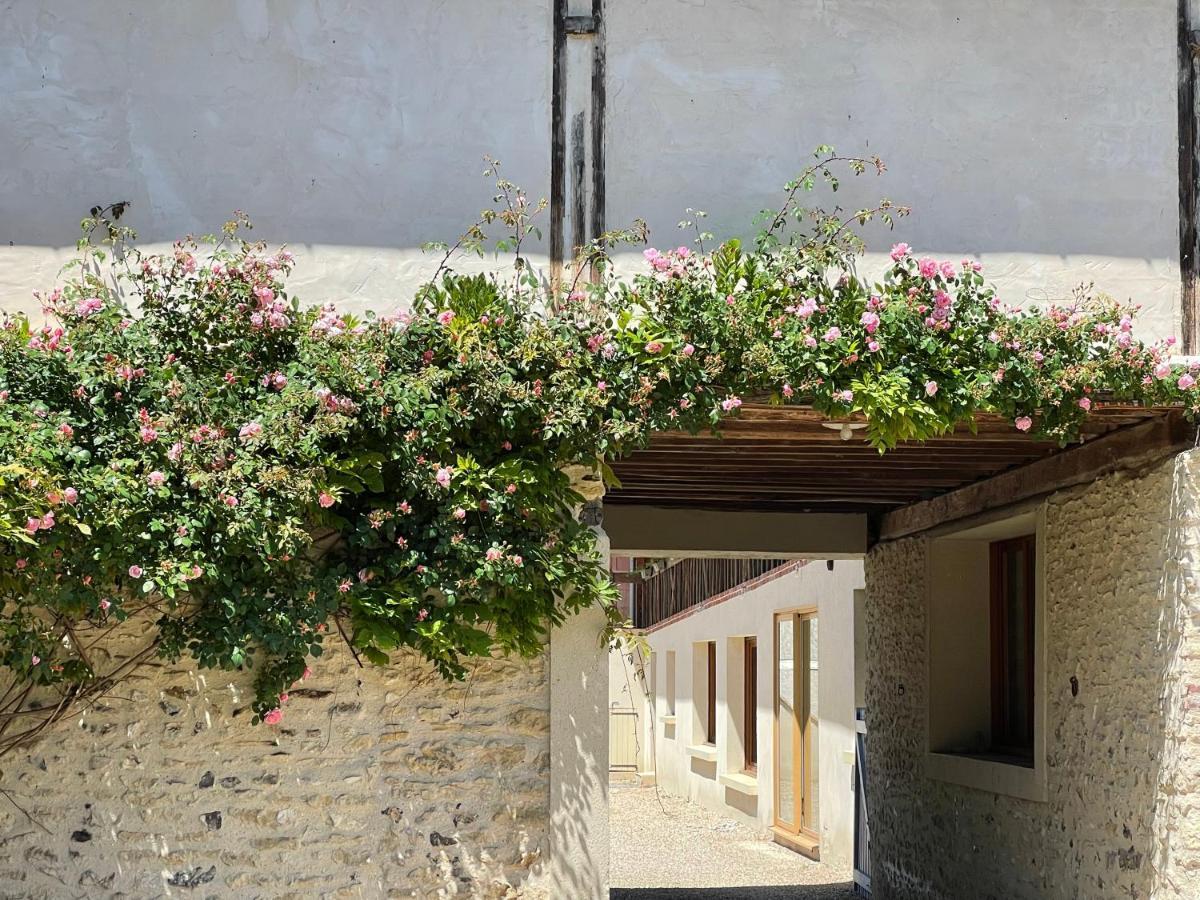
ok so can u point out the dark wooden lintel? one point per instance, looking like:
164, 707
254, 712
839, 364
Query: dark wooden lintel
1188, 177
1127, 449
581, 24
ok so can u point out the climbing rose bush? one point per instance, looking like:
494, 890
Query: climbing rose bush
184, 440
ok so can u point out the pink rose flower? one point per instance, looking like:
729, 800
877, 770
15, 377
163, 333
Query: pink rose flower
148, 434
1185, 381
325, 500
34, 660
1023, 423
833, 334
273, 717
688, 350
71, 495
931, 388
32, 525
1085, 403
135, 571
250, 430
731, 403
654, 347
899, 251
443, 476
927, 267
445, 317
787, 390
156, 478
870, 320
494, 554
105, 604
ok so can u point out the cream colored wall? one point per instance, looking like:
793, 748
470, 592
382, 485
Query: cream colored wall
629, 689
1122, 667
752, 614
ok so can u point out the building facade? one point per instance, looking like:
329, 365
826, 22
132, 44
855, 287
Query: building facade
753, 702
1052, 141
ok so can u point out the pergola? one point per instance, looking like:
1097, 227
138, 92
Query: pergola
786, 481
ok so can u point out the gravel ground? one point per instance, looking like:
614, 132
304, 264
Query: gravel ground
677, 850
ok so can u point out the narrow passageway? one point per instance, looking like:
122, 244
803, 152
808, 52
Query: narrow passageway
665, 848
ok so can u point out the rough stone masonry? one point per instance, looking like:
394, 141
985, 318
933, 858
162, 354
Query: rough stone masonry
377, 783
1122, 623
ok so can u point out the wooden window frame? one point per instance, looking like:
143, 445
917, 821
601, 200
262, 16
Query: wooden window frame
710, 719
750, 705
999, 638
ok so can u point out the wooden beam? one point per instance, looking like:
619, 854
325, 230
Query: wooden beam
1129, 448
653, 531
1187, 173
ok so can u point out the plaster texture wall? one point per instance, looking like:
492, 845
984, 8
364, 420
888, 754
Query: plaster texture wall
354, 132
1039, 137
752, 614
378, 783
1122, 618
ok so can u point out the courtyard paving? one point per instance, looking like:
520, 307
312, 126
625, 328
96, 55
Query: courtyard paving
665, 848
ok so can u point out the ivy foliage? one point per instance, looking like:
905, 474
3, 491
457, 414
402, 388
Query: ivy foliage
185, 439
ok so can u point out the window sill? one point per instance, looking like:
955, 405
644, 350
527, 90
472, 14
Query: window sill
995, 775
743, 784
707, 752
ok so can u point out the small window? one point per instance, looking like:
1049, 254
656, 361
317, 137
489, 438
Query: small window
1012, 640
750, 707
710, 717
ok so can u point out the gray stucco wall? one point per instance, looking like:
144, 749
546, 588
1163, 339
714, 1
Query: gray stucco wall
1038, 136
1121, 608
352, 131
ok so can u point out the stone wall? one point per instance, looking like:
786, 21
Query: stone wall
377, 783
1120, 819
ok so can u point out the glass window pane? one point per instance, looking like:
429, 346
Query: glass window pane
811, 731
785, 661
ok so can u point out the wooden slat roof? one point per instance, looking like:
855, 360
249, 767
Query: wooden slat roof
785, 459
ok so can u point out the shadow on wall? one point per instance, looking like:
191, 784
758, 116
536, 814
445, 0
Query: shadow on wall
376, 780
579, 842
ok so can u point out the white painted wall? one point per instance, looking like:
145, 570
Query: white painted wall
352, 131
750, 614
1040, 137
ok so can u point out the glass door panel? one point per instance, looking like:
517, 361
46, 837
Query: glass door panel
786, 795
797, 724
